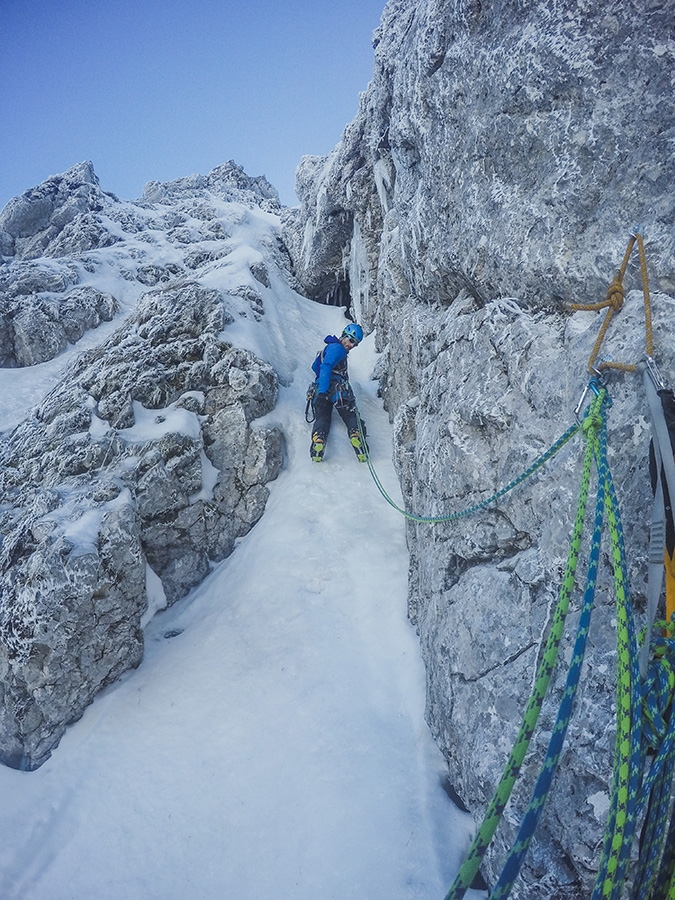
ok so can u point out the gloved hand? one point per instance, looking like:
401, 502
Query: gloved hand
321, 399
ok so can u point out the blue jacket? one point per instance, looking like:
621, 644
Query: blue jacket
330, 364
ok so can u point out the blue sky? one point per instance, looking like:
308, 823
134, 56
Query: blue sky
158, 89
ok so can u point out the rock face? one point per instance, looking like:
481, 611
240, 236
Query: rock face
29, 224
42, 308
507, 150
497, 163
37, 326
146, 461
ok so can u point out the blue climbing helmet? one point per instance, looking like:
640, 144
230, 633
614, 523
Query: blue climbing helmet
353, 331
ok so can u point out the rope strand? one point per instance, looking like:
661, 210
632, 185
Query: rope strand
451, 517
644, 758
613, 302
486, 831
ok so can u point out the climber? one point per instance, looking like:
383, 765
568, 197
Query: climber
331, 388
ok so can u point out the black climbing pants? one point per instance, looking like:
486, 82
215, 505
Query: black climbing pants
323, 410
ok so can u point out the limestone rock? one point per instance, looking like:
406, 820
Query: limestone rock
227, 181
39, 215
89, 456
38, 327
510, 147
49, 237
147, 454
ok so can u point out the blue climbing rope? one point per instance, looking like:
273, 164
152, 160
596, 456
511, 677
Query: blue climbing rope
592, 422
644, 758
548, 769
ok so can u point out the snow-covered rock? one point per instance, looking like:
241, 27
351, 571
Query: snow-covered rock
145, 462
501, 151
30, 222
508, 147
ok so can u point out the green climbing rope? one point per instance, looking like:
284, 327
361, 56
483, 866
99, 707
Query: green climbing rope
451, 517
597, 444
656, 866
644, 765
644, 759
486, 831
627, 757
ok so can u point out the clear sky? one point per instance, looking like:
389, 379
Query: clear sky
158, 89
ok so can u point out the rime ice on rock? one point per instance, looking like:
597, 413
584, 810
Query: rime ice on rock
145, 462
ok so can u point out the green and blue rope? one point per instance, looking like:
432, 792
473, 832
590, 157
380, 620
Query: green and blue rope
658, 731
654, 703
540, 794
645, 717
628, 759
485, 833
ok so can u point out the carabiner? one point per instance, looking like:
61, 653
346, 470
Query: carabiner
594, 385
654, 374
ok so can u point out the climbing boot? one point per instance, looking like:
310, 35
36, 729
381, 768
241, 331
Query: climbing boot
360, 447
317, 447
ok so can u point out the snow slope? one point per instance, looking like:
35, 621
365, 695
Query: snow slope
272, 743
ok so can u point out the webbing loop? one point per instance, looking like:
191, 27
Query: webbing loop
613, 302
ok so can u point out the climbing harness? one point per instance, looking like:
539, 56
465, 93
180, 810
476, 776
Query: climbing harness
641, 801
339, 391
342, 395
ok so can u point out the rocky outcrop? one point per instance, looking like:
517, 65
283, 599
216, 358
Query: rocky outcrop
49, 233
227, 182
43, 306
508, 149
497, 386
497, 163
39, 326
72, 202
147, 460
